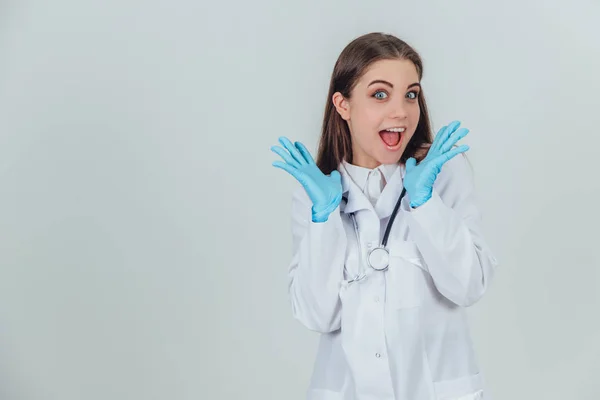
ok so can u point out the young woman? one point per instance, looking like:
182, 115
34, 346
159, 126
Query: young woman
387, 244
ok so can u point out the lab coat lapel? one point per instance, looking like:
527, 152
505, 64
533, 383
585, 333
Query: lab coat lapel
357, 200
389, 196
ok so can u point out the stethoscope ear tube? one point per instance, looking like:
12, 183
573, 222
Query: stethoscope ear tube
388, 228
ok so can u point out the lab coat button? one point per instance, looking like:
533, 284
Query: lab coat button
377, 355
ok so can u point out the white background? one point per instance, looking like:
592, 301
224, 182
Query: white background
145, 236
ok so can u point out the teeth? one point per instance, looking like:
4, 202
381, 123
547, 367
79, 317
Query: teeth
395, 130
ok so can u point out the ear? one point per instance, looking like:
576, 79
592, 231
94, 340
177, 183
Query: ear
341, 105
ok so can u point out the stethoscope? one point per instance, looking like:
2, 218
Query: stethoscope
378, 257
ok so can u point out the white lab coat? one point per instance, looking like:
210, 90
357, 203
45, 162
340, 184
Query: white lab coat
401, 334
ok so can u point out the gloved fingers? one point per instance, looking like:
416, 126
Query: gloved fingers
289, 169
436, 140
292, 149
286, 156
453, 139
443, 135
335, 174
305, 153
410, 164
442, 159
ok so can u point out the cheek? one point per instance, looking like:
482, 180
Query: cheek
373, 118
415, 113
366, 120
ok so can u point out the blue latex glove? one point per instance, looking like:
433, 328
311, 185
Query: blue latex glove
325, 191
419, 179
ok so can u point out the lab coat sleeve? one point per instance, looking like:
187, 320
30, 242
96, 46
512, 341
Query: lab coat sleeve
317, 266
447, 230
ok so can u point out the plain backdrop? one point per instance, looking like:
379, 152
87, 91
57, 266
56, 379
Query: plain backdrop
145, 237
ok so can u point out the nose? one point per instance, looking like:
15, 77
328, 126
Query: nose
398, 109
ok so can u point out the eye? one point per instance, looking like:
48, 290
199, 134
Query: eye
378, 94
413, 94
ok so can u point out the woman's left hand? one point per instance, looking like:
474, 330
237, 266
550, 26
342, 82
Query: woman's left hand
419, 179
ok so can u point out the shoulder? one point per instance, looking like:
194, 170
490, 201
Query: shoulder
301, 204
299, 196
458, 166
455, 176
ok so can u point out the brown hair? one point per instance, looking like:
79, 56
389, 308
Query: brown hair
335, 143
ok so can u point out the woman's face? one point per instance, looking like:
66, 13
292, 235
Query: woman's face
382, 112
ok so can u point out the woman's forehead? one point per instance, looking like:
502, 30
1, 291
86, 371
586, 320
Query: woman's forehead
401, 72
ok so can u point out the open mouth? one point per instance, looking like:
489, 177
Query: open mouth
392, 137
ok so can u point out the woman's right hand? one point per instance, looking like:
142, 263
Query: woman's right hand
325, 191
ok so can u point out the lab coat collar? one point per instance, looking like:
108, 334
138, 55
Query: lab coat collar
357, 200
360, 175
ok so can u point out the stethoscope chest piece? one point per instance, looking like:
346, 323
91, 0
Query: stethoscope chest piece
378, 258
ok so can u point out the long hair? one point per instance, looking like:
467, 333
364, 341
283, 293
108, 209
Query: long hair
335, 143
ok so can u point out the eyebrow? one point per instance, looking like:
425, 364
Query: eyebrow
392, 86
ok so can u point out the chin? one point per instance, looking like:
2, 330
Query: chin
390, 157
